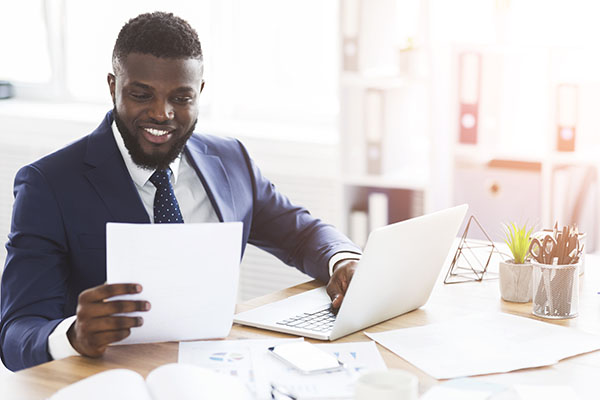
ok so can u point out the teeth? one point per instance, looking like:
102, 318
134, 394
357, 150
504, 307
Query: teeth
156, 132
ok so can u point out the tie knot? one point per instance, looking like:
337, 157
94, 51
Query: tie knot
161, 177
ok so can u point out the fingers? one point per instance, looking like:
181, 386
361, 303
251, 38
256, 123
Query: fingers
96, 325
339, 282
103, 292
336, 301
111, 323
95, 310
101, 340
336, 292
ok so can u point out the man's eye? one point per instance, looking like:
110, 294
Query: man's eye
183, 99
140, 96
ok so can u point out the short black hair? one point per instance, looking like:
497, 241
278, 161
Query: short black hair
159, 34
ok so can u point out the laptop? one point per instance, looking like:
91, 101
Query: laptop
399, 267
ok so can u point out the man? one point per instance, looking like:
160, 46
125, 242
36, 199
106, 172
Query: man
142, 164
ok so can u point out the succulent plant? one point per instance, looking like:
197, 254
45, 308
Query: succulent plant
518, 239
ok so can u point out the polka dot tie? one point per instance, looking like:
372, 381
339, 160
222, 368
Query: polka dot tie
166, 208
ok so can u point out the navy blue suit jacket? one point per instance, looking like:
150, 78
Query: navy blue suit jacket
56, 247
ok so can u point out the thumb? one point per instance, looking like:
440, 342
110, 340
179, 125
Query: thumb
337, 300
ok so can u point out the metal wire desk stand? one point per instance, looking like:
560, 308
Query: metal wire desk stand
472, 257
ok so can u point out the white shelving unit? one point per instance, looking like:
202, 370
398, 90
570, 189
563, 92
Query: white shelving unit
514, 171
544, 186
384, 114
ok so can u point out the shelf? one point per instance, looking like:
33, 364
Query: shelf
474, 154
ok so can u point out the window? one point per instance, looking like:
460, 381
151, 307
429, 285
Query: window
265, 60
24, 44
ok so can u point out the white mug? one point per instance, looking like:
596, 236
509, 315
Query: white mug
393, 384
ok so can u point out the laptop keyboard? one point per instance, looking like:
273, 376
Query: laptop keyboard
318, 321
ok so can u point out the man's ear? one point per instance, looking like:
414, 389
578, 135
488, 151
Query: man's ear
112, 84
202, 86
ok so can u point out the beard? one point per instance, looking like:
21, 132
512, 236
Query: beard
154, 160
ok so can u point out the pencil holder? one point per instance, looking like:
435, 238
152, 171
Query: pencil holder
582, 239
556, 290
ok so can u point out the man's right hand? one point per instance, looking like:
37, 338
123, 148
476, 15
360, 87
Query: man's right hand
96, 326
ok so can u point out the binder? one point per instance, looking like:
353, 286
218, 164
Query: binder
469, 83
350, 24
359, 227
378, 210
567, 117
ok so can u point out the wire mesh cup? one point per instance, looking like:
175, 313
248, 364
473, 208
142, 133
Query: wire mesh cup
556, 290
582, 236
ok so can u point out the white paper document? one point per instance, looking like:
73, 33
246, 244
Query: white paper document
450, 393
485, 343
167, 382
534, 392
189, 274
252, 363
469, 389
228, 357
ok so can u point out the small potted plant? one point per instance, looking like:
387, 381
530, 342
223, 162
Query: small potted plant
515, 274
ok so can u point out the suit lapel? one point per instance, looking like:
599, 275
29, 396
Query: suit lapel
110, 178
215, 180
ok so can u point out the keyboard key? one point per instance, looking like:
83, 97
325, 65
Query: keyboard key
320, 320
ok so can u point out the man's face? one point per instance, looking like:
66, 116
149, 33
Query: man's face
156, 106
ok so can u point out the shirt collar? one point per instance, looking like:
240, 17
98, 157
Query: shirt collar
138, 174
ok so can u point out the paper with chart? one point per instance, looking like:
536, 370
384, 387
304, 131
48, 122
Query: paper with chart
251, 362
485, 343
189, 274
357, 357
229, 357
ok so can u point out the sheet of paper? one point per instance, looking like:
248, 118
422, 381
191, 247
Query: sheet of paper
251, 362
114, 384
449, 393
189, 382
535, 392
358, 357
469, 389
189, 274
228, 357
485, 343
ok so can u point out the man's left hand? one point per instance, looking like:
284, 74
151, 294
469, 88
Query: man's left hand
338, 283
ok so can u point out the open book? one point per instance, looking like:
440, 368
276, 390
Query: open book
169, 381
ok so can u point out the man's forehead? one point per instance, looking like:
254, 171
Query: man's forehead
147, 68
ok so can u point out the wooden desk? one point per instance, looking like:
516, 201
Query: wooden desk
447, 301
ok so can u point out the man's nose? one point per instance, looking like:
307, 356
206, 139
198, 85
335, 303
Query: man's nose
161, 110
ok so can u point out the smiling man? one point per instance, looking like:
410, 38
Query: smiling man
54, 299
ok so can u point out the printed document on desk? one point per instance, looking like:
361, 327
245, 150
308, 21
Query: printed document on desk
485, 343
251, 362
188, 272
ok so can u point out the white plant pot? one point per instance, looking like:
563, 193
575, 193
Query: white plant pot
515, 281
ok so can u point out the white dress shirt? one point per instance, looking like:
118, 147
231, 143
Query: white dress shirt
194, 204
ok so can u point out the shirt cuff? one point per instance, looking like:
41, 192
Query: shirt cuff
58, 342
343, 255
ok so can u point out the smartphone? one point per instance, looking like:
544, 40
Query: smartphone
306, 357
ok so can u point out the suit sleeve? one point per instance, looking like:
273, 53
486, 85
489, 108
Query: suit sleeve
290, 232
35, 274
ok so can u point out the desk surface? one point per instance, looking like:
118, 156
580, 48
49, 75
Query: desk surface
447, 301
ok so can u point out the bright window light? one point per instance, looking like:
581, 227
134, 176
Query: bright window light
23, 43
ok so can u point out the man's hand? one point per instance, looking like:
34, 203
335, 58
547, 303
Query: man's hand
96, 326
338, 283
